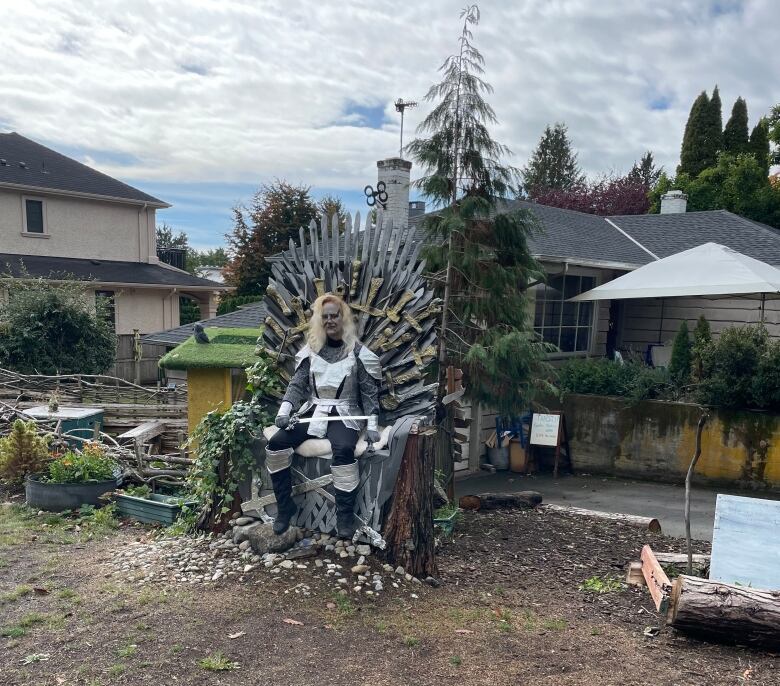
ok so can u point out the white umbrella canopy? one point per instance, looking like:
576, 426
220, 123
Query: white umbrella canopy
707, 270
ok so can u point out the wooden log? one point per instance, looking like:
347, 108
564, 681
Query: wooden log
724, 612
143, 432
408, 530
500, 501
656, 579
649, 523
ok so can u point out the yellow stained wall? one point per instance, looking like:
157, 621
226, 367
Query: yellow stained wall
207, 390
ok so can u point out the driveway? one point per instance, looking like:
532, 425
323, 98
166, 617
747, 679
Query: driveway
666, 502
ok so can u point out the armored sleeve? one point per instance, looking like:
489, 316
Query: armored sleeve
298, 390
369, 377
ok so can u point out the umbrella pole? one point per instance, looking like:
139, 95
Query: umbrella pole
763, 306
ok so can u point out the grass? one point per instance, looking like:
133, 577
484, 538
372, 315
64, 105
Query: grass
344, 605
554, 624
15, 594
504, 618
127, 650
529, 621
33, 619
381, 626
601, 584
176, 648
228, 348
411, 641
217, 663
116, 670
456, 660
12, 632
19, 524
68, 594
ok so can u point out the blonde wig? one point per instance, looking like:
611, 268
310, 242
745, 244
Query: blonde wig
315, 336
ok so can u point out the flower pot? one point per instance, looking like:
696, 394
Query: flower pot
162, 509
447, 523
58, 497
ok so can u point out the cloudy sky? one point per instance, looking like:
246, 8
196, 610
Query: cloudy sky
200, 102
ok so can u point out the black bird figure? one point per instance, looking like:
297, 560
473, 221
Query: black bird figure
200, 334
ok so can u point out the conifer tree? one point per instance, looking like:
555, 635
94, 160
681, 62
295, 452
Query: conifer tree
553, 165
680, 365
759, 144
481, 255
735, 135
645, 171
715, 127
703, 135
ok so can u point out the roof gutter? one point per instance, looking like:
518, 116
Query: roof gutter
592, 264
157, 204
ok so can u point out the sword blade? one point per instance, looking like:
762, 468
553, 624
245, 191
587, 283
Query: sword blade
309, 420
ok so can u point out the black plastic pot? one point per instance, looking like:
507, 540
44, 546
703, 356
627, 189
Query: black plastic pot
58, 497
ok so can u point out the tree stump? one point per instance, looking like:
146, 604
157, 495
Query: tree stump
732, 614
408, 529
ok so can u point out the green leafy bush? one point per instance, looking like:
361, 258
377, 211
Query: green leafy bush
228, 305
92, 464
605, 377
701, 350
55, 328
23, 452
680, 365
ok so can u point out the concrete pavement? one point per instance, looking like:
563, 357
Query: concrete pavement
666, 502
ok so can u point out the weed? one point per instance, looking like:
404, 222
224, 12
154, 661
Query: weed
68, 594
32, 619
456, 660
4, 563
143, 627
18, 592
529, 621
344, 605
595, 631
411, 641
127, 650
217, 663
599, 584
504, 617
116, 670
499, 591
12, 632
554, 624
35, 657
176, 648
381, 626
148, 596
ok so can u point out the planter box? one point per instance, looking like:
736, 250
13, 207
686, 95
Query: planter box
161, 509
78, 421
59, 497
446, 524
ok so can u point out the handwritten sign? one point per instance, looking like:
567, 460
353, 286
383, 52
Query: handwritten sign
545, 429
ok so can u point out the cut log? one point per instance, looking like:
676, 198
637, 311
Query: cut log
727, 613
143, 432
649, 523
500, 501
656, 579
409, 525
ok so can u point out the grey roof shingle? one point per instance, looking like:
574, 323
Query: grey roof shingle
667, 234
47, 169
103, 271
249, 316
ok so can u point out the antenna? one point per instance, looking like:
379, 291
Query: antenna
400, 106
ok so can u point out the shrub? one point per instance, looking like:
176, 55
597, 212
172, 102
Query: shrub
680, 365
605, 377
766, 382
228, 305
22, 452
92, 464
55, 328
701, 350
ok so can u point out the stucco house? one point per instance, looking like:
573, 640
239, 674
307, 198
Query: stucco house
58, 216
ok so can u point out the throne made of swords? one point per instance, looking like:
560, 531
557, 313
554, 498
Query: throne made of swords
376, 268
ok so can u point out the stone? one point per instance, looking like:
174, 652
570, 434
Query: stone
363, 549
432, 581
362, 579
343, 554
218, 575
361, 560
248, 568
359, 569
243, 521
387, 567
318, 563
400, 570
408, 577
263, 540
350, 548
357, 589
287, 564
241, 533
297, 553
243, 545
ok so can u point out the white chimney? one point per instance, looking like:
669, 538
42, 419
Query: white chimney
674, 202
395, 172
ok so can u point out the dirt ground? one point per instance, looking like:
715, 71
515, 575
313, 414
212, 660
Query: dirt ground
509, 611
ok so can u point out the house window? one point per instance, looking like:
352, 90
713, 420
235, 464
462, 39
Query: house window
34, 216
566, 325
109, 305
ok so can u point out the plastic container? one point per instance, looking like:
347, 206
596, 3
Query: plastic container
499, 457
58, 497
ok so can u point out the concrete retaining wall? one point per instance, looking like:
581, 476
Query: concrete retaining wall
656, 440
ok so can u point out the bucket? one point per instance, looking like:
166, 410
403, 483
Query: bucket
499, 457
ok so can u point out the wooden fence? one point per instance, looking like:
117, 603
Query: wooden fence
143, 371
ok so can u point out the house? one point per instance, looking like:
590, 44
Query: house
58, 216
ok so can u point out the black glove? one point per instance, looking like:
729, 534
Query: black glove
282, 420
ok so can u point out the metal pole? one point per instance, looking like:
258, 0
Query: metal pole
401, 149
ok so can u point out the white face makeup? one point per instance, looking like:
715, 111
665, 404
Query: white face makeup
331, 319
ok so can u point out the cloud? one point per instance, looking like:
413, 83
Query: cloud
242, 92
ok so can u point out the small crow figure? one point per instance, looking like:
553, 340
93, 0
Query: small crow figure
200, 334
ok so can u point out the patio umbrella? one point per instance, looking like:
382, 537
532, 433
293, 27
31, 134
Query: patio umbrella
707, 270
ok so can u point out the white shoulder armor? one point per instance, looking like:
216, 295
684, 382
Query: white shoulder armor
370, 362
302, 355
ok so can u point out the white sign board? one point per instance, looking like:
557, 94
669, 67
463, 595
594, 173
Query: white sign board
745, 544
544, 429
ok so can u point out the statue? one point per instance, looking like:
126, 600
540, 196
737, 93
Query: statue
335, 385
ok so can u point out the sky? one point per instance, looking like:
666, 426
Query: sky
199, 103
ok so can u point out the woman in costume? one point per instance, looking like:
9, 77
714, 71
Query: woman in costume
335, 375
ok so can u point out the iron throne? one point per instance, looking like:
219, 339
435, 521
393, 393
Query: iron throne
377, 270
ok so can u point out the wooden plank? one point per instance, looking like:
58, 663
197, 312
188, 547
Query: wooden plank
656, 579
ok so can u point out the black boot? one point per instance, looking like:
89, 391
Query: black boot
285, 505
345, 513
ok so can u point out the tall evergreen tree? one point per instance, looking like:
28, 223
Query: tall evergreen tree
703, 135
759, 144
645, 171
481, 254
735, 135
773, 129
553, 165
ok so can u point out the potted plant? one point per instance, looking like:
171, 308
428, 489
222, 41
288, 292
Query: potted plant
73, 479
138, 502
446, 517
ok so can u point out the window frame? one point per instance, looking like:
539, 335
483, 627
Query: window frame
35, 234
591, 325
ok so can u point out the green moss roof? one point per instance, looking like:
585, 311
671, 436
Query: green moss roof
228, 348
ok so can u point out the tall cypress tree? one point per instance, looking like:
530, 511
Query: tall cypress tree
715, 128
480, 254
759, 144
735, 135
695, 137
553, 165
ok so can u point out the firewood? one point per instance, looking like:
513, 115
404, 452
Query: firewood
498, 501
725, 612
649, 523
